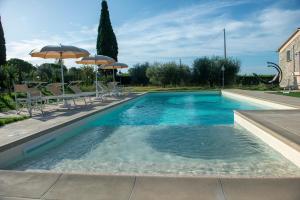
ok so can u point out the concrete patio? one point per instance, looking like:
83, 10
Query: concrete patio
51, 186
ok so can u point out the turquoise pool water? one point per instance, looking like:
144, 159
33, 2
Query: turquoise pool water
162, 133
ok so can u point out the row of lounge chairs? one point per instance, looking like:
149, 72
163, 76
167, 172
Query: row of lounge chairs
33, 98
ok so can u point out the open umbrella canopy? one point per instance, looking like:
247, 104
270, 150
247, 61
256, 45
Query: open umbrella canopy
96, 60
59, 52
114, 66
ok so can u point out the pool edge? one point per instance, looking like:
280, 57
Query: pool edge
267, 136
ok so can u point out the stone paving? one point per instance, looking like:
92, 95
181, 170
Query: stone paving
56, 186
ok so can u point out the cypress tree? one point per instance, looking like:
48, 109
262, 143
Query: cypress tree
2, 46
106, 41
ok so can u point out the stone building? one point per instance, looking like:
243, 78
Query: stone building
289, 61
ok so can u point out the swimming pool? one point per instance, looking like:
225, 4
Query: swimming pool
183, 133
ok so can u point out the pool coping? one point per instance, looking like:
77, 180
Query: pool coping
275, 137
19, 185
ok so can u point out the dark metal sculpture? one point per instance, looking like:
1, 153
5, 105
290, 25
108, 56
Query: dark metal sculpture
278, 76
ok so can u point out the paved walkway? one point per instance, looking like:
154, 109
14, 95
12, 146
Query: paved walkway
280, 99
29, 186
23, 131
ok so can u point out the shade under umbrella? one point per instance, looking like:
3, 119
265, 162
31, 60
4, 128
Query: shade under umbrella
113, 66
96, 60
60, 52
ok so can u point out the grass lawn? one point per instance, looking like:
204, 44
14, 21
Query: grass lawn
291, 94
8, 120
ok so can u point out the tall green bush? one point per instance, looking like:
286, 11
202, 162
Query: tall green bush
168, 74
2, 46
207, 71
106, 41
138, 74
22, 68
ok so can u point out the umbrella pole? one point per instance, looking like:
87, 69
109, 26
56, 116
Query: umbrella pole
62, 77
96, 81
113, 75
63, 82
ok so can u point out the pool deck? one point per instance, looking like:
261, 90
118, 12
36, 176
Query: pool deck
56, 186
268, 96
284, 124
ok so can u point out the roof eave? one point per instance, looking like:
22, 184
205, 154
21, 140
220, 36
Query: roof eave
298, 29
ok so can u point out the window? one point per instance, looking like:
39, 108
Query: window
288, 56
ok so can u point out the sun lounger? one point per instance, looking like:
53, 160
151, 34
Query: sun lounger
103, 90
78, 93
32, 101
57, 95
114, 89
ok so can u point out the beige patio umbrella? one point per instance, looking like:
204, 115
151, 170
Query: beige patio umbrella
113, 66
60, 52
96, 60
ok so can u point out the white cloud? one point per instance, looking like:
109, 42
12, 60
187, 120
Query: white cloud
187, 32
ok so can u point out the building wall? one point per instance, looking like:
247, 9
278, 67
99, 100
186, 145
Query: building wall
290, 67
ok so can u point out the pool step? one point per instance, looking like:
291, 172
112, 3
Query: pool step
276, 128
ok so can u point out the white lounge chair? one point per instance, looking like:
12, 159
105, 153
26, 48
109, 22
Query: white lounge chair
32, 101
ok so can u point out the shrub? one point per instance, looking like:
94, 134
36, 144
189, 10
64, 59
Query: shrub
6, 103
170, 74
207, 71
8, 120
138, 74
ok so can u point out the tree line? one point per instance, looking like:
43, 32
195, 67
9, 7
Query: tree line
204, 71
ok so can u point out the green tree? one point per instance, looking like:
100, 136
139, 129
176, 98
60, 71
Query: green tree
2, 46
22, 68
74, 74
169, 74
106, 41
207, 71
87, 75
8, 77
138, 74
154, 74
50, 72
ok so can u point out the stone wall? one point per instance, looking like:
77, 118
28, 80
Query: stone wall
292, 66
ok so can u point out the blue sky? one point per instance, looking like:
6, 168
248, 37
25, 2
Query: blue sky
163, 30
